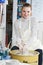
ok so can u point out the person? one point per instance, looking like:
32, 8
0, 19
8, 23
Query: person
26, 32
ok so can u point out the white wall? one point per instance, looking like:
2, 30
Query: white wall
13, 19
29, 1
37, 9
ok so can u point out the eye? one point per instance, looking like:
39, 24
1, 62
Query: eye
23, 11
28, 11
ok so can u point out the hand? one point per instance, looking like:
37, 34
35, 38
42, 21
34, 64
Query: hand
21, 49
23, 43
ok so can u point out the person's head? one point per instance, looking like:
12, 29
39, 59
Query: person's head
26, 10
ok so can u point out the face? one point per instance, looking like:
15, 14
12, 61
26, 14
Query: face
26, 12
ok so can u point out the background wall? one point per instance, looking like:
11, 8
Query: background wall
37, 9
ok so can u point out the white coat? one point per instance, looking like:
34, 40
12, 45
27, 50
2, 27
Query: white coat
26, 30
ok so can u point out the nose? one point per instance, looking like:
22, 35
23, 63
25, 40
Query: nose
26, 13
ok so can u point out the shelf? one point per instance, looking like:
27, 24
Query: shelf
21, 1
19, 7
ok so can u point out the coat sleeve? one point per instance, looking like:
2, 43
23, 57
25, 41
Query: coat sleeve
33, 42
17, 35
34, 27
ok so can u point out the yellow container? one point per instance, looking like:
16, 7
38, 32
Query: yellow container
31, 59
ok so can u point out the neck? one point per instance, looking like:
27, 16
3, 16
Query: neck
26, 19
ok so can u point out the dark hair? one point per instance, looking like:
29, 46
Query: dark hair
26, 5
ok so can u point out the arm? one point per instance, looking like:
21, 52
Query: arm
17, 33
33, 42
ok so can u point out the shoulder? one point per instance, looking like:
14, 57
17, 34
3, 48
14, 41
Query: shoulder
34, 20
18, 20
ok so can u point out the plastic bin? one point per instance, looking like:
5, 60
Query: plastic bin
31, 59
